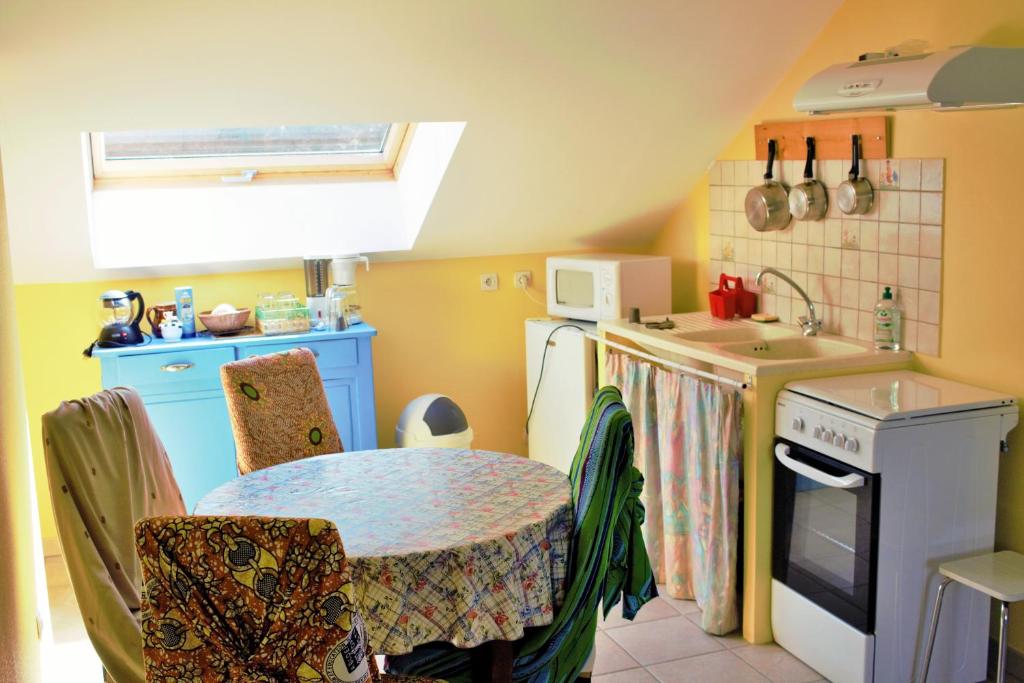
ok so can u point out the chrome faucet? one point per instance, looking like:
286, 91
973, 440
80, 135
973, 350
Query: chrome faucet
808, 323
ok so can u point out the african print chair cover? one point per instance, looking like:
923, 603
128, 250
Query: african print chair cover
249, 600
107, 469
278, 409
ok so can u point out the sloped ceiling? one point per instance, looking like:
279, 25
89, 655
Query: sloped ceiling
588, 121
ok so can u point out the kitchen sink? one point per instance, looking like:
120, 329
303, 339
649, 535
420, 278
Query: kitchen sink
737, 334
793, 348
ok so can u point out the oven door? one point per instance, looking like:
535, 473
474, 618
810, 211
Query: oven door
825, 532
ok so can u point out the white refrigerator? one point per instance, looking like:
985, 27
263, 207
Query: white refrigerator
560, 398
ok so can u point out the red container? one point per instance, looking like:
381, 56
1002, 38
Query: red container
728, 302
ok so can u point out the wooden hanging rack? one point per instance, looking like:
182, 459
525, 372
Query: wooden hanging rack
831, 137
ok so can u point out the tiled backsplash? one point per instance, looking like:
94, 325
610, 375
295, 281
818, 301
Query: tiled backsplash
842, 262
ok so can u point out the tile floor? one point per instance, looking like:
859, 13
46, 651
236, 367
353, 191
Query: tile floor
664, 643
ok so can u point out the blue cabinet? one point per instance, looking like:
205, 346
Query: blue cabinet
180, 385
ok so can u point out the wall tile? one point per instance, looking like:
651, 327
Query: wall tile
851, 234
799, 257
869, 235
910, 174
910, 207
931, 208
888, 206
928, 307
865, 326
816, 233
931, 241
833, 233
784, 256
930, 275
931, 175
910, 335
850, 260
868, 296
908, 268
815, 259
849, 293
833, 261
869, 266
833, 290
726, 172
799, 232
888, 238
843, 262
888, 269
909, 239
888, 175
908, 301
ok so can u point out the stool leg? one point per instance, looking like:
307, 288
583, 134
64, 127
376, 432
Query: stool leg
1004, 622
933, 629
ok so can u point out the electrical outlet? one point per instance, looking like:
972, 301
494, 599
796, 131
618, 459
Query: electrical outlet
522, 279
488, 282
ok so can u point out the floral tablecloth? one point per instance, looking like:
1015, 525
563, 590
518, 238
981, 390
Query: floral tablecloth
444, 544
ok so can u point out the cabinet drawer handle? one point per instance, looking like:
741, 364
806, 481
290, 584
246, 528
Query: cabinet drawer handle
177, 367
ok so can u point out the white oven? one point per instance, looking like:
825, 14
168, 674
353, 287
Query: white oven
606, 286
878, 479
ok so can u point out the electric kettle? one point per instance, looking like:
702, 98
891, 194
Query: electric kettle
120, 323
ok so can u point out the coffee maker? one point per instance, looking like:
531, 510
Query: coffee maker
119, 322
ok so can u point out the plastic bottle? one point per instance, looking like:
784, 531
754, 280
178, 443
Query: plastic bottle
887, 323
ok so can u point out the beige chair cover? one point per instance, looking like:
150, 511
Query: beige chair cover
107, 469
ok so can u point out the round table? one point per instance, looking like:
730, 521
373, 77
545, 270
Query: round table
444, 544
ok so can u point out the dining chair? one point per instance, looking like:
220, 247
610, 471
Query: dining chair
278, 408
607, 560
250, 599
106, 469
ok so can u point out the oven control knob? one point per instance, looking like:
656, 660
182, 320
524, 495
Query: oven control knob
852, 445
817, 431
798, 424
839, 440
827, 435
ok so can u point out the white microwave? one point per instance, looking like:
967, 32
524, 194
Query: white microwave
606, 286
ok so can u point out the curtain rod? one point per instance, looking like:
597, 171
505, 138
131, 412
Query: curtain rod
684, 369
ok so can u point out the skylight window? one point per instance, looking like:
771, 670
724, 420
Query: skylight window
246, 152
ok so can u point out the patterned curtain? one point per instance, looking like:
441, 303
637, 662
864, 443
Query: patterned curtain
693, 447
635, 380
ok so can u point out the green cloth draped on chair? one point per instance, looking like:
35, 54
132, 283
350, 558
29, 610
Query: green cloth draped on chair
608, 559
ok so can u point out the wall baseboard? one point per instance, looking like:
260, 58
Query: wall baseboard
1014, 659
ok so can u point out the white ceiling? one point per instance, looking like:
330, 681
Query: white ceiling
588, 121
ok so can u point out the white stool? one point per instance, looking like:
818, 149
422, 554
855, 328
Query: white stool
998, 575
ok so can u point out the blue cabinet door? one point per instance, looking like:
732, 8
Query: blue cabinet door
340, 397
196, 432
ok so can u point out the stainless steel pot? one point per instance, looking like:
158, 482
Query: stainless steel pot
855, 195
767, 205
808, 201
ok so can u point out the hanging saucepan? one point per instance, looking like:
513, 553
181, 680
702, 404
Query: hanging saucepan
855, 195
768, 205
808, 201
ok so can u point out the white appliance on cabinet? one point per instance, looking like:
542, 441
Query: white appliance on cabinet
878, 479
558, 401
606, 286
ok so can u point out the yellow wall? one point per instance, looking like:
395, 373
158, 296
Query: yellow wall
437, 333
982, 325
19, 645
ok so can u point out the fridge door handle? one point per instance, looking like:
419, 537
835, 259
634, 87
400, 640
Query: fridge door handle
850, 481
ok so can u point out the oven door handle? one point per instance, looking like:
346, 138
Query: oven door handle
850, 481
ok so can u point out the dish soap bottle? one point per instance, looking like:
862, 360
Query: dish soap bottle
887, 322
